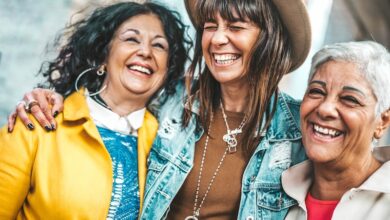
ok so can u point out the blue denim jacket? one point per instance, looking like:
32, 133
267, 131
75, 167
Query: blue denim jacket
262, 197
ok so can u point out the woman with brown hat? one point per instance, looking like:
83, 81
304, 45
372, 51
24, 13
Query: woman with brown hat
222, 146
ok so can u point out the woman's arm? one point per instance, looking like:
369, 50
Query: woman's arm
16, 161
49, 104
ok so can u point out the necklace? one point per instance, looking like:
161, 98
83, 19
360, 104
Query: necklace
230, 136
97, 98
196, 211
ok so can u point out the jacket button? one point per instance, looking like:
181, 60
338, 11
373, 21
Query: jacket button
250, 218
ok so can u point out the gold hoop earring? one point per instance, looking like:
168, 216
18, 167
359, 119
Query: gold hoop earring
101, 71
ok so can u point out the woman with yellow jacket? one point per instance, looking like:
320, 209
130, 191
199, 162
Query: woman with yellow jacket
94, 166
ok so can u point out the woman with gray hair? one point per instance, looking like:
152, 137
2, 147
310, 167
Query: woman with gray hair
344, 112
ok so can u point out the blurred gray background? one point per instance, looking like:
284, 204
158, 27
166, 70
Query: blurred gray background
27, 26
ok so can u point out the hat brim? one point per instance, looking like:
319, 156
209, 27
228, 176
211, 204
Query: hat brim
294, 17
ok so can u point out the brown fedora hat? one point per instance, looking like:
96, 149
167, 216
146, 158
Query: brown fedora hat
295, 18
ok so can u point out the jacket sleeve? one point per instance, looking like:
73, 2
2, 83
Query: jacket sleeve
16, 162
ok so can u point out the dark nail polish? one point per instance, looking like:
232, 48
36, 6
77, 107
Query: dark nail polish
30, 126
48, 128
9, 130
55, 114
53, 127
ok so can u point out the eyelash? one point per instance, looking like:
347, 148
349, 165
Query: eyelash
210, 28
316, 91
235, 28
159, 45
231, 27
351, 99
132, 39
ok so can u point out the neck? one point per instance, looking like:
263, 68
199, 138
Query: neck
122, 105
235, 97
331, 181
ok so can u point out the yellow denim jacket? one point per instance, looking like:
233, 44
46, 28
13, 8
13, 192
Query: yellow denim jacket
66, 174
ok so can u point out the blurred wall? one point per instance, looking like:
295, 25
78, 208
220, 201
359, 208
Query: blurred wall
25, 28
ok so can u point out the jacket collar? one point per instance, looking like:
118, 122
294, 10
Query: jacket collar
76, 111
76, 107
379, 181
284, 126
297, 179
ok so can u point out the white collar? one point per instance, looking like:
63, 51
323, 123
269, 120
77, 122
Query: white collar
106, 118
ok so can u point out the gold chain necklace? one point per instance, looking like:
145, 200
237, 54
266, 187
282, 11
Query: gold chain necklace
231, 135
196, 210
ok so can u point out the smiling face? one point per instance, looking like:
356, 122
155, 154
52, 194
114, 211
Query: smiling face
338, 117
137, 59
227, 48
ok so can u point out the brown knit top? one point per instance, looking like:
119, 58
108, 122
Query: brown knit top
222, 201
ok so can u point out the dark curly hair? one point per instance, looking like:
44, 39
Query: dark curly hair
87, 44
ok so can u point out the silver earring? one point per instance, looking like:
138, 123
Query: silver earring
99, 72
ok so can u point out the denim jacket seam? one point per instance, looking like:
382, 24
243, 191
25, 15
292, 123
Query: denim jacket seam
290, 120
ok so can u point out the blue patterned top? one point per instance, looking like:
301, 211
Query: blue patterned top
125, 189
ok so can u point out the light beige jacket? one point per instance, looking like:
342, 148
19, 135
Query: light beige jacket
369, 201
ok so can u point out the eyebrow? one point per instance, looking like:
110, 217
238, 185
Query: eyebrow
354, 89
344, 88
138, 33
318, 82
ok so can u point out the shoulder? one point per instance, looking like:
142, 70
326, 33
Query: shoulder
285, 123
21, 134
288, 108
289, 104
150, 122
18, 149
174, 104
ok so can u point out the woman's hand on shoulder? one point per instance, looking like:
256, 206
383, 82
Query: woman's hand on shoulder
43, 104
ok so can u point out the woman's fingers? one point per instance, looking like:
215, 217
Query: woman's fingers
11, 121
57, 102
20, 112
41, 117
39, 107
43, 104
42, 96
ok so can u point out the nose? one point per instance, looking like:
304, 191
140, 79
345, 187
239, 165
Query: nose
144, 50
327, 109
220, 37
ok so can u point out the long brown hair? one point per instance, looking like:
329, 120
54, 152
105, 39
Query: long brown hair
270, 61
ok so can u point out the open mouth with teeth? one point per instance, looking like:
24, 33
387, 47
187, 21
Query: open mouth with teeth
225, 59
326, 132
140, 69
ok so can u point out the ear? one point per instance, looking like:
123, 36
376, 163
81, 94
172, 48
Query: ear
383, 124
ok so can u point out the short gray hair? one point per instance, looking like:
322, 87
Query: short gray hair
371, 58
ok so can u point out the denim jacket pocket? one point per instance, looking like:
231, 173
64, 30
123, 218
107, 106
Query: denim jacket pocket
273, 202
